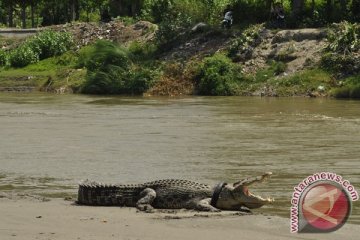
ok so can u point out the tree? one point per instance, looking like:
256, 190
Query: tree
59, 12
3, 19
10, 6
297, 7
32, 12
23, 5
125, 7
90, 6
355, 10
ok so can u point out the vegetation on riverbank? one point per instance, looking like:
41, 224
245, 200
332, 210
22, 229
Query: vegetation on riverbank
299, 13
178, 58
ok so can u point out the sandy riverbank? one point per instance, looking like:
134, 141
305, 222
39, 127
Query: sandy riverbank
57, 219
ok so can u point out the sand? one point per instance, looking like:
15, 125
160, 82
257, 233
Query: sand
29, 219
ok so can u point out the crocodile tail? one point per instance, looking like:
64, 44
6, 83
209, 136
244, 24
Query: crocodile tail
93, 193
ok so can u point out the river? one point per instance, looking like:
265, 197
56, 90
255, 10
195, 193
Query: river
51, 142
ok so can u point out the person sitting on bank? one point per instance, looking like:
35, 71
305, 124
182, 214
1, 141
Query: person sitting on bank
228, 19
278, 15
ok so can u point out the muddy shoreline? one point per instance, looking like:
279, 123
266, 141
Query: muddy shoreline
58, 219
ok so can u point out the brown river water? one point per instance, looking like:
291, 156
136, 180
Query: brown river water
51, 142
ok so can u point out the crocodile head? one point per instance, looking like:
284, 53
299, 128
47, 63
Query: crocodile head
234, 196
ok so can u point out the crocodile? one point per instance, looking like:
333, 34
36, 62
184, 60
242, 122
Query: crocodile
175, 194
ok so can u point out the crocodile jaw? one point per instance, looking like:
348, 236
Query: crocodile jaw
249, 199
255, 201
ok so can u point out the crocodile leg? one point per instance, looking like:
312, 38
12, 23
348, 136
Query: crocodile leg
204, 205
147, 197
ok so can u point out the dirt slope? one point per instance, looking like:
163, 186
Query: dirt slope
298, 48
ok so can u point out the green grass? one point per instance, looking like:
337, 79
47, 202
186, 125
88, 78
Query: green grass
274, 69
350, 88
34, 75
353, 80
302, 83
258, 80
57, 71
298, 84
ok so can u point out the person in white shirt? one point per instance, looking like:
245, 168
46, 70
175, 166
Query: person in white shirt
228, 20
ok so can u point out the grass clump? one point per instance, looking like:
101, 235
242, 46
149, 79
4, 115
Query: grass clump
111, 71
140, 52
274, 68
351, 91
350, 88
218, 76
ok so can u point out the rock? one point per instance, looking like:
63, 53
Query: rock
200, 27
143, 25
299, 35
321, 88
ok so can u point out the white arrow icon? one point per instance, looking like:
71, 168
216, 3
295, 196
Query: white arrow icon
330, 195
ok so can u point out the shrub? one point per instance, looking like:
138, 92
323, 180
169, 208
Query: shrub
51, 43
141, 79
157, 11
344, 37
172, 17
173, 28
346, 64
23, 56
341, 54
3, 58
44, 45
218, 75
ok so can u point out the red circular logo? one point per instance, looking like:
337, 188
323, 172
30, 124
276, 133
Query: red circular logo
326, 206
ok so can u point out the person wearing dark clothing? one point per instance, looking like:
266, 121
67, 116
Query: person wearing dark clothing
105, 16
278, 15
